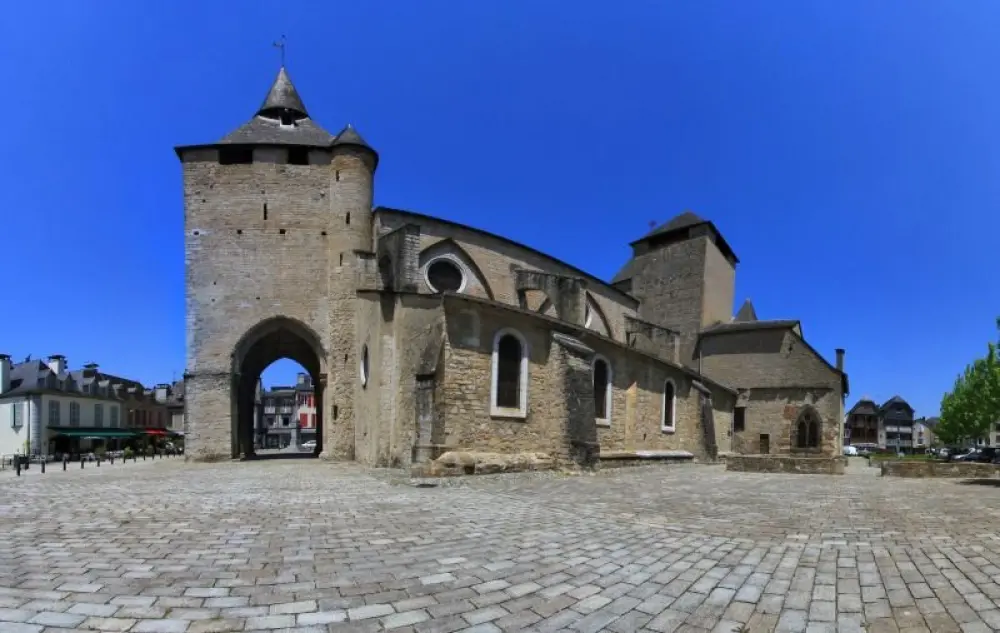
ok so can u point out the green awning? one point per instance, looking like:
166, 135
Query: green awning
94, 434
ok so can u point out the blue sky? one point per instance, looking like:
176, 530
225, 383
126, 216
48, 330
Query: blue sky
847, 150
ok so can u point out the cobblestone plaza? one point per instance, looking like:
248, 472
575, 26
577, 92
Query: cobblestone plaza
304, 545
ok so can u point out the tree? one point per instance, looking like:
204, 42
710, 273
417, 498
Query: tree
970, 409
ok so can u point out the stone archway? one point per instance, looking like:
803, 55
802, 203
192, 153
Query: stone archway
268, 341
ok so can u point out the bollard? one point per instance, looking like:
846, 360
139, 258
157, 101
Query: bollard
65, 459
81, 462
144, 456
43, 467
112, 459
17, 465
98, 462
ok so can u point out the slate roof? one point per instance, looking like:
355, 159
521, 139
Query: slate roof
864, 406
683, 221
895, 400
350, 136
31, 377
746, 313
743, 326
283, 97
265, 127
266, 131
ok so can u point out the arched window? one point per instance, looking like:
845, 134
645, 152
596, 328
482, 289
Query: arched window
669, 419
807, 430
509, 389
602, 390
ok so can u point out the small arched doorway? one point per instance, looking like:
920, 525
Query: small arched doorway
267, 342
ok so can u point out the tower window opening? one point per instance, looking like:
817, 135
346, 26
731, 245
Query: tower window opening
348, 217
336, 175
298, 156
236, 156
285, 118
265, 211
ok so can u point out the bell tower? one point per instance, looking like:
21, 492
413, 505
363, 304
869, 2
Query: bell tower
274, 214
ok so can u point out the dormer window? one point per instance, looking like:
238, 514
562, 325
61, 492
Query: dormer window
285, 118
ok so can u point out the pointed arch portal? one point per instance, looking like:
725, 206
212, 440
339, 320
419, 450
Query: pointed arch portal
268, 341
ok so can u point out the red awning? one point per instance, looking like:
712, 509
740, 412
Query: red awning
154, 431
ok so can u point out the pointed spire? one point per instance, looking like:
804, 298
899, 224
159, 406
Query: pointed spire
746, 313
350, 136
283, 97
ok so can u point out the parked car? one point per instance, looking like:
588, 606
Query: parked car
964, 456
309, 445
850, 451
985, 455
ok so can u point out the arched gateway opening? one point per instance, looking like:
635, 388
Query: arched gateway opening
267, 342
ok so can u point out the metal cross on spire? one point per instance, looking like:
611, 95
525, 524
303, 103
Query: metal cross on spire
280, 44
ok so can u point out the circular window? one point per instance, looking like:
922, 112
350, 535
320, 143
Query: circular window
364, 366
444, 275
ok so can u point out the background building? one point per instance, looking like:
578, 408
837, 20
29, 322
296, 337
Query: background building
280, 424
46, 409
305, 407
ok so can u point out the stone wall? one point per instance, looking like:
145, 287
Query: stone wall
267, 240
932, 468
403, 335
774, 412
777, 375
637, 391
785, 464
669, 280
492, 260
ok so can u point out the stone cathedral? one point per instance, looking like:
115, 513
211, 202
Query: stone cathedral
432, 343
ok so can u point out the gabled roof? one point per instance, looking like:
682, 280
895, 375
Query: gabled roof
746, 313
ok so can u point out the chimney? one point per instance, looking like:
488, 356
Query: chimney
57, 363
162, 391
4, 373
90, 369
840, 358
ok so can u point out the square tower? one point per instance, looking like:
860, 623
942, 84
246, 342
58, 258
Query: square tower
684, 274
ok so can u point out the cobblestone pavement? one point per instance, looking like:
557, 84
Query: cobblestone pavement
309, 546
